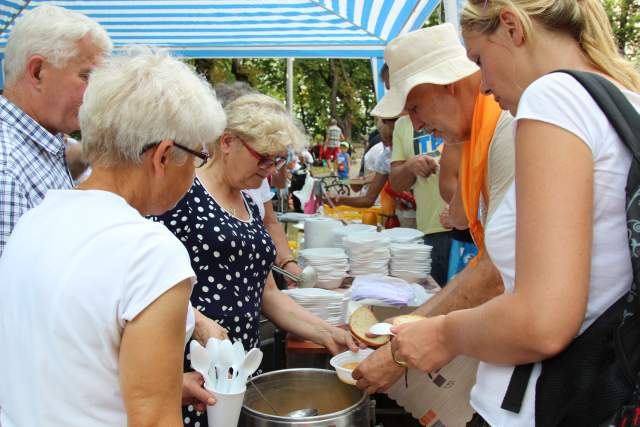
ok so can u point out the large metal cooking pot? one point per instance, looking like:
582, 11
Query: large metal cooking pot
339, 404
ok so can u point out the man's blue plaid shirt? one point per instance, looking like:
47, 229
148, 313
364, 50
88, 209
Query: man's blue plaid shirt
32, 161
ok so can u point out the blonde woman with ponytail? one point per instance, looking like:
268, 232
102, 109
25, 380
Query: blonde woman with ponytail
559, 237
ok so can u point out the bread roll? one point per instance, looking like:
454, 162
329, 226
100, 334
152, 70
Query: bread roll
407, 318
360, 322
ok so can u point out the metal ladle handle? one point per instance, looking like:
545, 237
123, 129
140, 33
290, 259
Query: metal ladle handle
263, 397
291, 276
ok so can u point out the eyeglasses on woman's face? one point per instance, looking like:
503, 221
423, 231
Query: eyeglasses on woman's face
265, 162
201, 157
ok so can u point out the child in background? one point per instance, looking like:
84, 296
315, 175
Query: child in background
343, 161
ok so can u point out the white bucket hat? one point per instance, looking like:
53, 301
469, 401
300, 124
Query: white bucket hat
432, 55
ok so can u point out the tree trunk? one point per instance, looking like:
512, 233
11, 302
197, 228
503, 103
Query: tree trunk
345, 96
303, 112
335, 80
346, 129
238, 70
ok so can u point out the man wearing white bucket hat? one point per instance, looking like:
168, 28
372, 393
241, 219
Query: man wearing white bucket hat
411, 166
433, 81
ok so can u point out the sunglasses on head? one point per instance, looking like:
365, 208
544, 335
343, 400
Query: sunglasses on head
265, 162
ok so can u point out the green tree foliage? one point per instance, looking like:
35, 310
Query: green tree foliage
343, 88
323, 88
624, 16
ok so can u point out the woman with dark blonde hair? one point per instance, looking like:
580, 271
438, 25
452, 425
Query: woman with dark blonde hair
230, 249
559, 238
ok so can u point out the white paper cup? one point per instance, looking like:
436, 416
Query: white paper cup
226, 411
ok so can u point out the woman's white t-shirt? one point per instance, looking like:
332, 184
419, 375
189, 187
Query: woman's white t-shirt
560, 100
76, 269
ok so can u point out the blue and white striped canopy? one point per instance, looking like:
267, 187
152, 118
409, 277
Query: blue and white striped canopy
247, 28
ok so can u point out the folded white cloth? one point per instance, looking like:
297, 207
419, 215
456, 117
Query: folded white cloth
387, 290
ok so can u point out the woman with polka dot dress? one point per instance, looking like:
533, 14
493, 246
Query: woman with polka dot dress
231, 251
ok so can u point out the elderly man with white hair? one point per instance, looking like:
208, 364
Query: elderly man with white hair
49, 56
438, 88
94, 298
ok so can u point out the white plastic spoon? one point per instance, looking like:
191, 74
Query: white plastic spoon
213, 347
200, 359
249, 365
381, 329
238, 358
225, 360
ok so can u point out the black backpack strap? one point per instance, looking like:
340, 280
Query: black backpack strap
517, 386
626, 121
621, 114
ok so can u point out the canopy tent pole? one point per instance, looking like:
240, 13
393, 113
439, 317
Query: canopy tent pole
452, 9
378, 84
290, 85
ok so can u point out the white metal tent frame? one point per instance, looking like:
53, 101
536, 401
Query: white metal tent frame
248, 28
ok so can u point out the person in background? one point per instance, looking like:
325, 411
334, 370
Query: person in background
48, 58
461, 112
412, 170
463, 248
371, 158
418, 171
375, 146
343, 161
305, 158
78, 166
317, 150
332, 140
263, 196
230, 249
95, 310
559, 238
373, 140
299, 177
227, 92
380, 168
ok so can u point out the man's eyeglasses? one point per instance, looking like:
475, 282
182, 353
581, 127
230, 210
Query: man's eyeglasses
201, 156
265, 162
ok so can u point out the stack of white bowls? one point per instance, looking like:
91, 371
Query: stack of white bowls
318, 232
368, 253
340, 233
410, 261
327, 305
403, 235
331, 264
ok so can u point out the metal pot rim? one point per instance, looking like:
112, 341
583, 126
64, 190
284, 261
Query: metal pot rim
271, 417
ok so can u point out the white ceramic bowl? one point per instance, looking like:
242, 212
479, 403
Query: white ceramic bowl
337, 361
329, 283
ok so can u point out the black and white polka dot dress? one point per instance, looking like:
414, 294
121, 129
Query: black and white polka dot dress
232, 259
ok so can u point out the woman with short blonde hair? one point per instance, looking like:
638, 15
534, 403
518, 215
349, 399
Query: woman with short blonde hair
559, 237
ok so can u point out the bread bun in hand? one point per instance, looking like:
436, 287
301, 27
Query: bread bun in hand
360, 322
